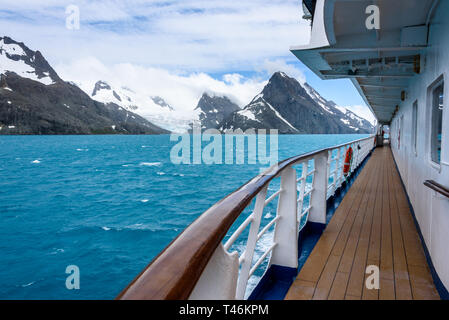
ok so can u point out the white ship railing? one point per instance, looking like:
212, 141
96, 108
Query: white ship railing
197, 265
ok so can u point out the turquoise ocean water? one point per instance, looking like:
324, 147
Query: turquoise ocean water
107, 204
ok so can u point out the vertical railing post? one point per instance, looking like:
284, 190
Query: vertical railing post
329, 163
355, 155
336, 172
318, 200
359, 152
339, 169
302, 191
219, 279
363, 145
285, 253
343, 177
247, 257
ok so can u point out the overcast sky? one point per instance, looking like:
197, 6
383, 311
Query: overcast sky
175, 48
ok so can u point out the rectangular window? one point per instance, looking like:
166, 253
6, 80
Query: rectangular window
437, 122
415, 127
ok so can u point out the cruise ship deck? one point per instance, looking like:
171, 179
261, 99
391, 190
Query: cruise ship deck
399, 69
372, 226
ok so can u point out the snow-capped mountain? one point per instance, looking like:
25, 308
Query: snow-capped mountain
16, 57
35, 100
283, 104
352, 120
214, 109
286, 105
161, 102
31, 89
154, 108
258, 114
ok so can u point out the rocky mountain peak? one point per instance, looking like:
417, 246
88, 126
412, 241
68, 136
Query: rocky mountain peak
214, 109
161, 102
103, 85
17, 58
210, 103
283, 88
100, 85
292, 107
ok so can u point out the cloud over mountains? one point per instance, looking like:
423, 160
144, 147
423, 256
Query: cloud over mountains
187, 35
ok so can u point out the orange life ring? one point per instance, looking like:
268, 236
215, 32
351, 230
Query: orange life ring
348, 160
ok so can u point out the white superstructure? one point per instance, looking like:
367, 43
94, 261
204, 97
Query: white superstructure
400, 69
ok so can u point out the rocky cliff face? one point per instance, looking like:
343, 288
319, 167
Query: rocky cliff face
286, 105
214, 109
258, 114
18, 58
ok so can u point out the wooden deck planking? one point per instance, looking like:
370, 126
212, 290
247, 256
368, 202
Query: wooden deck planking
420, 279
387, 288
401, 276
357, 272
374, 252
342, 250
315, 264
357, 275
357, 243
372, 226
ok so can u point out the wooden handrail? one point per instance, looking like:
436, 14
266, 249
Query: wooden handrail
174, 273
437, 187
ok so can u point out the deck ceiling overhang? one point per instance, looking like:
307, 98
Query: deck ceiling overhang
379, 62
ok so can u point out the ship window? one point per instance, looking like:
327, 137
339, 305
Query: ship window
415, 127
437, 122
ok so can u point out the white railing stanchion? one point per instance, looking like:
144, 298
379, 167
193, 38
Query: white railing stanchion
248, 254
336, 172
339, 167
302, 191
329, 163
342, 177
355, 153
222, 272
320, 181
285, 253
